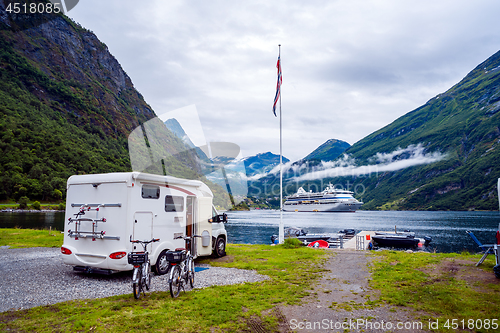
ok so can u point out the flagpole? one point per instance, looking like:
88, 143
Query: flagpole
281, 234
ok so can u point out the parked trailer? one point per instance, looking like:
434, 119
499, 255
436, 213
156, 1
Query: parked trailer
105, 211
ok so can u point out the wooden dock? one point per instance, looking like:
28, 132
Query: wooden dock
359, 241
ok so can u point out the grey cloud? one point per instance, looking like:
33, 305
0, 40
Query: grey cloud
349, 66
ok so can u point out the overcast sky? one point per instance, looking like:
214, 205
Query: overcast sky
350, 67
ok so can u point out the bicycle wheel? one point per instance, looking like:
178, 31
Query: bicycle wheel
176, 282
137, 286
147, 279
191, 272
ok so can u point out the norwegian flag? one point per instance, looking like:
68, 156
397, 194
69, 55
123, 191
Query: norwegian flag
278, 86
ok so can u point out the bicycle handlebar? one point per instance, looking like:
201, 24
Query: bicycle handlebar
186, 237
144, 242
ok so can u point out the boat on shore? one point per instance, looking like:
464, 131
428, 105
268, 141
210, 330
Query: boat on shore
330, 200
404, 240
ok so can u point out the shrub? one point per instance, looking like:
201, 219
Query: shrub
61, 206
57, 194
292, 243
23, 202
36, 205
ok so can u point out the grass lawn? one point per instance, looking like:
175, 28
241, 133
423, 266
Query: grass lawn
218, 308
17, 238
447, 286
8, 205
437, 286
43, 205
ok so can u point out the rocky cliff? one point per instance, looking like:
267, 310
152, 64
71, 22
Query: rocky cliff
66, 105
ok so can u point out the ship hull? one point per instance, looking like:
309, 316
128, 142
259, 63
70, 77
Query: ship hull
329, 207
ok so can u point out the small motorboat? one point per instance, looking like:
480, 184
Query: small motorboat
402, 240
290, 233
396, 241
307, 238
294, 232
404, 233
349, 232
319, 244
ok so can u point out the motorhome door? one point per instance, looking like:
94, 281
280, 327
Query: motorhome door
190, 215
203, 227
143, 226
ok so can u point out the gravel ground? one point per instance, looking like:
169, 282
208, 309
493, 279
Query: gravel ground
37, 276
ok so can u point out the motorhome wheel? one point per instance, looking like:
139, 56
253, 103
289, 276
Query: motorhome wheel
162, 263
220, 248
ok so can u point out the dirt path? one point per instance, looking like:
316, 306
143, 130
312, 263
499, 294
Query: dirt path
338, 302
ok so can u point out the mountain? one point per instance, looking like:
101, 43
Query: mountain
176, 128
443, 155
68, 107
462, 125
262, 163
328, 151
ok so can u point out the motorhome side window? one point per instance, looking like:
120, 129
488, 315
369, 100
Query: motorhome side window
174, 203
150, 192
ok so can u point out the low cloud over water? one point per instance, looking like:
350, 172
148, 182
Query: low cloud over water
398, 159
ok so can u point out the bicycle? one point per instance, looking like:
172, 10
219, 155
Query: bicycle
141, 279
181, 263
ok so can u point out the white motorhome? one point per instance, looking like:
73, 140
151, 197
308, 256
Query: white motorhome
104, 211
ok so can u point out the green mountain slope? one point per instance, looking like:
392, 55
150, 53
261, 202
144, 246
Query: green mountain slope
67, 107
442, 156
462, 123
328, 151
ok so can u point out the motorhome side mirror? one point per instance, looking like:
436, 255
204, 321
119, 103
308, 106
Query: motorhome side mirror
219, 218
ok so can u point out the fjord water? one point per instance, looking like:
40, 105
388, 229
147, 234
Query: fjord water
447, 229
32, 220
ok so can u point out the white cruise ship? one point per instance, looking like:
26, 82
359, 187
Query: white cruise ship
330, 200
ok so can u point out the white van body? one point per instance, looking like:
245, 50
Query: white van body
118, 207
